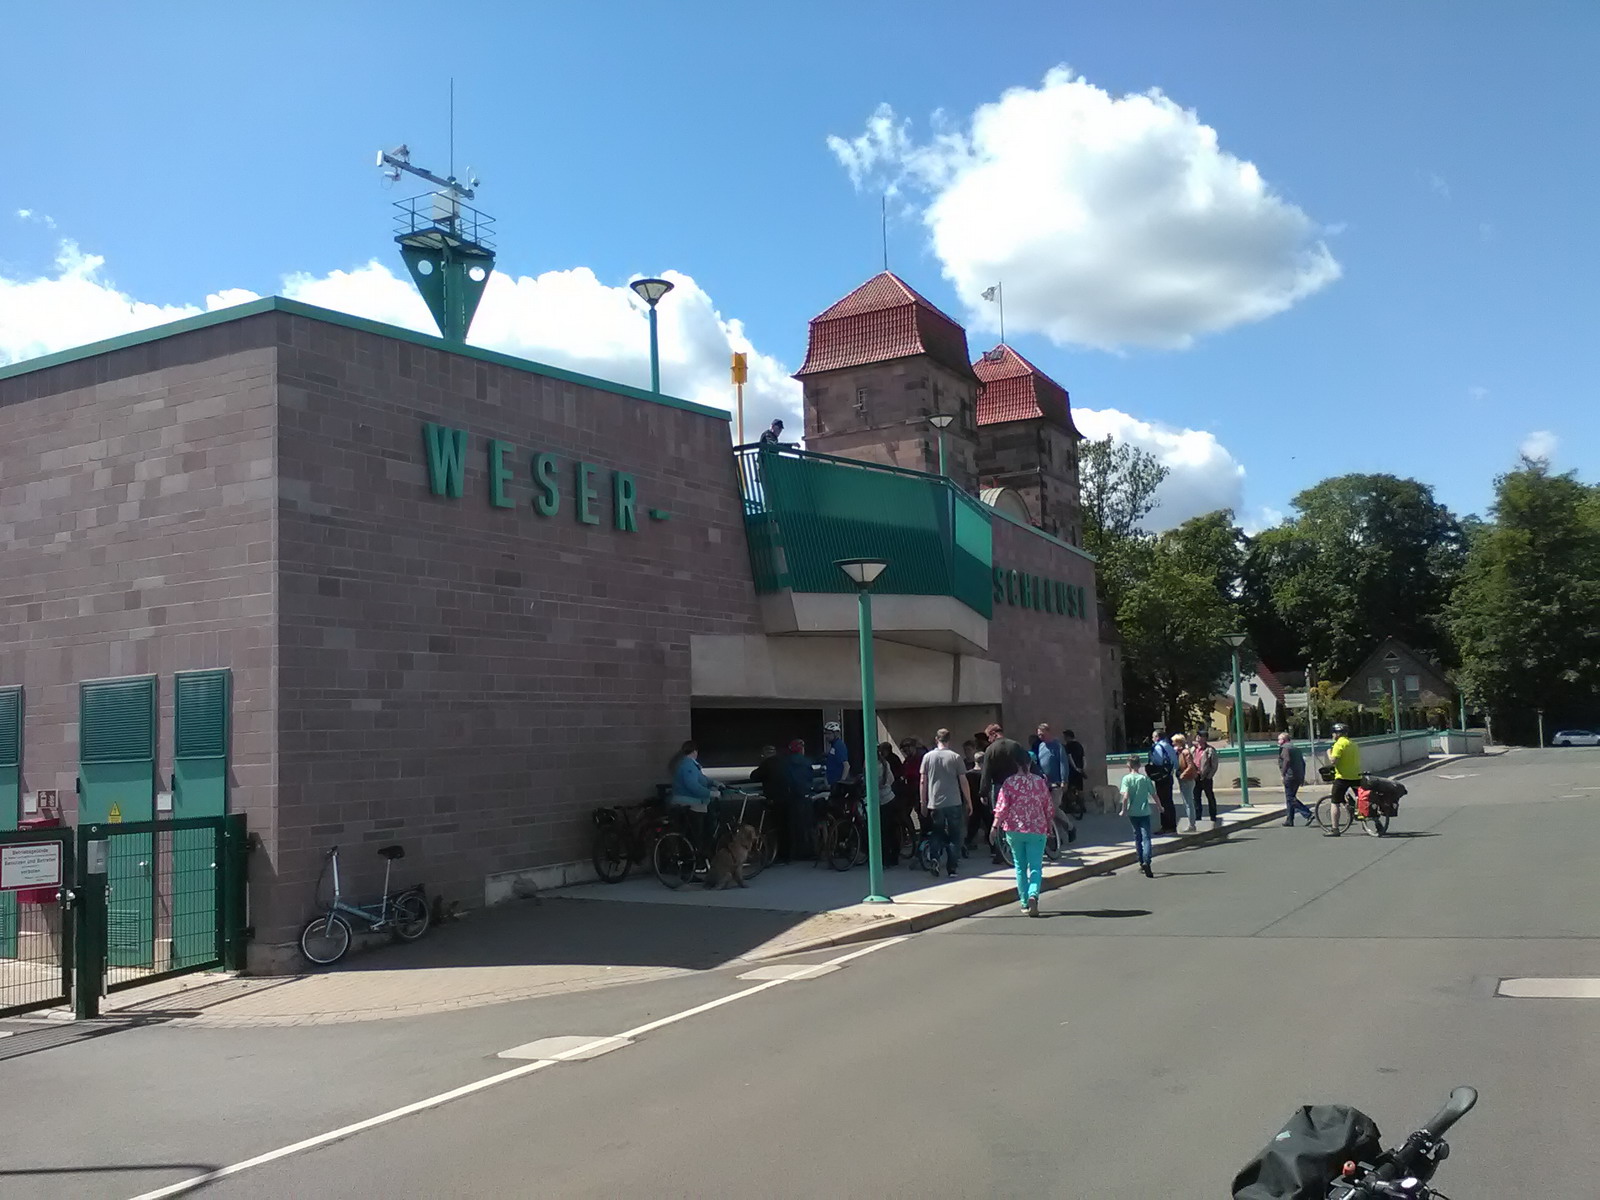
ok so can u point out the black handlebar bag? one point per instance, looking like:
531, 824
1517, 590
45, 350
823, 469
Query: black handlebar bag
1307, 1156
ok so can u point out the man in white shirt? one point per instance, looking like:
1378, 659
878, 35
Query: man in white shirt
946, 800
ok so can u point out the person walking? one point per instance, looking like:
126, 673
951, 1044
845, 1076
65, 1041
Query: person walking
1022, 814
773, 434
1205, 757
1137, 793
1160, 768
1000, 759
1077, 772
946, 801
1292, 765
1187, 774
1052, 759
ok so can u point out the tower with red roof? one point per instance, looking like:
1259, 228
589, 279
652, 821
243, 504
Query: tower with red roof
878, 364
1027, 441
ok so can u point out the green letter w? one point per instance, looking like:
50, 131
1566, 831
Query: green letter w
447, 454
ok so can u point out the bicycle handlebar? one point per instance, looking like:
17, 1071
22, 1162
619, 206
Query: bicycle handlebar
1459, 1105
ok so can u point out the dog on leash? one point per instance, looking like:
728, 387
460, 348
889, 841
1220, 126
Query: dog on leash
727, 864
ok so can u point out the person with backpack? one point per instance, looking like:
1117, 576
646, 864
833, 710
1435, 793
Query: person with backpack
1187, 774
1160, 768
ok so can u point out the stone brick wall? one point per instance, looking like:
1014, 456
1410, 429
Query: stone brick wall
1050, 662
1040, 462
136, 519
892, 428
472, 680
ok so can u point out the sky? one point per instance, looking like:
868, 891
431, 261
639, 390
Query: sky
1267, 241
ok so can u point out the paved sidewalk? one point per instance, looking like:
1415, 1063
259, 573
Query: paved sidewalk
598, 935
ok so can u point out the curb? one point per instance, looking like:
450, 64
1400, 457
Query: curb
901, 926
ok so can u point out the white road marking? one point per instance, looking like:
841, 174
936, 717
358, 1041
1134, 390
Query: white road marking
566, 1049
789, 973
1468, 775
1550, 989
1589, 789
394, 1114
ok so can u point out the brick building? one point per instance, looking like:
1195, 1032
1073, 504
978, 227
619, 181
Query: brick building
457, 599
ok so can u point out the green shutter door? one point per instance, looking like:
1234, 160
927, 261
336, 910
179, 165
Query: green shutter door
201, 709
117, 783
10, 802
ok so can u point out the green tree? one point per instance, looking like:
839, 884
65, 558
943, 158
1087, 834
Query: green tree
1526, 613
1366, 556
1117, 484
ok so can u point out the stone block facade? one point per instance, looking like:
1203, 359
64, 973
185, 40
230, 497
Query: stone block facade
1039, 461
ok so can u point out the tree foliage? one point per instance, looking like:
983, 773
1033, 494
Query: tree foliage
1118, 485
1366, 556
1527, 612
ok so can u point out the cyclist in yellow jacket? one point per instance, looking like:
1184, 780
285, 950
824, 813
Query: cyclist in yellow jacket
1346, 759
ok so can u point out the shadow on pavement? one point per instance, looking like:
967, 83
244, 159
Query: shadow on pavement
1100, 913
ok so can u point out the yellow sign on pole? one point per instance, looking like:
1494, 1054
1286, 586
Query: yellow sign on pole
741, 372
741, 368
114, 817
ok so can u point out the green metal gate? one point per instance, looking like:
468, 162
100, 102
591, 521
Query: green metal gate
199, 789
36, 866
10, 802
117, 786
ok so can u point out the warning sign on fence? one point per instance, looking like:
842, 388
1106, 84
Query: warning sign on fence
30, 865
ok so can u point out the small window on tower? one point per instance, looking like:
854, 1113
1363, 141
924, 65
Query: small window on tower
861, 403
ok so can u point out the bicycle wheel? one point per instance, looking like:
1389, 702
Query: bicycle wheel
1003, 844
1377, 823
611, 859
844, 846
325, 939
673, 859
1335, 818
408, 917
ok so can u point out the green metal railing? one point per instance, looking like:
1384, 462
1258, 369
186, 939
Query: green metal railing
804, 511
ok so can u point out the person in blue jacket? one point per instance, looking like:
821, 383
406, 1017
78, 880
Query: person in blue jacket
691, 789
835, 754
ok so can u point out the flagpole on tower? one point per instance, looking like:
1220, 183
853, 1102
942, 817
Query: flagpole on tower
997, 295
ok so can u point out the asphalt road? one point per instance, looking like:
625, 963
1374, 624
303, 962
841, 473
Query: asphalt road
1142, 1040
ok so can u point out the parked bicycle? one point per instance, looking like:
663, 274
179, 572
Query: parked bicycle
402, 914
842, 828
679, 858
624, 836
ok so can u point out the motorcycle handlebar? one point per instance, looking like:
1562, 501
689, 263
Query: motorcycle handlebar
1459, 1105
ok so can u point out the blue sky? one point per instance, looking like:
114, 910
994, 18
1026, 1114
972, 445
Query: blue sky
1442, 154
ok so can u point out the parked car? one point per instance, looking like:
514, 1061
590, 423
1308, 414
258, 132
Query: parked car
1576, 737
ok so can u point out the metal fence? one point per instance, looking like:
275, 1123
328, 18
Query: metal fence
804, 511
35, 926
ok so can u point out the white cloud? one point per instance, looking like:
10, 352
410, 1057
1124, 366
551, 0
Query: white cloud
1477, 393
564, 318
1265, 517
1111, 221
1541, 443
27, 214
1202, 475
1438, 185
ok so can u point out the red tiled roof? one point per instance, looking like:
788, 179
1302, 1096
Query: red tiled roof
1264, 673
883, 319
1016, 390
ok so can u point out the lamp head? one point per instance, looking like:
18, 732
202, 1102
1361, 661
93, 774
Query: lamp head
941, 420
863, 572
651, 290
1235, 639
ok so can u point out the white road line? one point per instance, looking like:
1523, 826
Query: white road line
394, 1114
1550, 989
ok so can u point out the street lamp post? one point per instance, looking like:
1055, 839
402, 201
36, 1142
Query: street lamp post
651, 291
864, 572
1540, 711
941, 422
1394, 707
1235, 640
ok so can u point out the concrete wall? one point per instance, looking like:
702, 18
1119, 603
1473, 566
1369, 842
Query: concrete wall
137, 520
1050, 663
728, 669
468, 679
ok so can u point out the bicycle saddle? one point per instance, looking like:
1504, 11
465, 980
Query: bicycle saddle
392, 852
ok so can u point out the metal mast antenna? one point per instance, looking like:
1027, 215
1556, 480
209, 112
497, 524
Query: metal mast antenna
446, 244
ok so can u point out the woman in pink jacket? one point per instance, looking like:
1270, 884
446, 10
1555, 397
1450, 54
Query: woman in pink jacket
1022, 811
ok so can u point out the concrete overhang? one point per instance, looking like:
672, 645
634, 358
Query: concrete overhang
932, 622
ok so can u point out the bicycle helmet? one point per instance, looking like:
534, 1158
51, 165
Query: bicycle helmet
1341, 728
831, 727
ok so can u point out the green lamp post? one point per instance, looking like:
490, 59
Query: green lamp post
863, 573
1394, 706
941, 422
1235, 640
651, 291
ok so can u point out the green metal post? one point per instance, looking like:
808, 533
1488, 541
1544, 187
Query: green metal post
942, 470
1238, 721
1461, 699
869, 754
1394, 703
655, 355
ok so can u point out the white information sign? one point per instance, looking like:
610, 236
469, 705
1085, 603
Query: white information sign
30, 865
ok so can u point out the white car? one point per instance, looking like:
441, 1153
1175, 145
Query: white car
1575, 737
